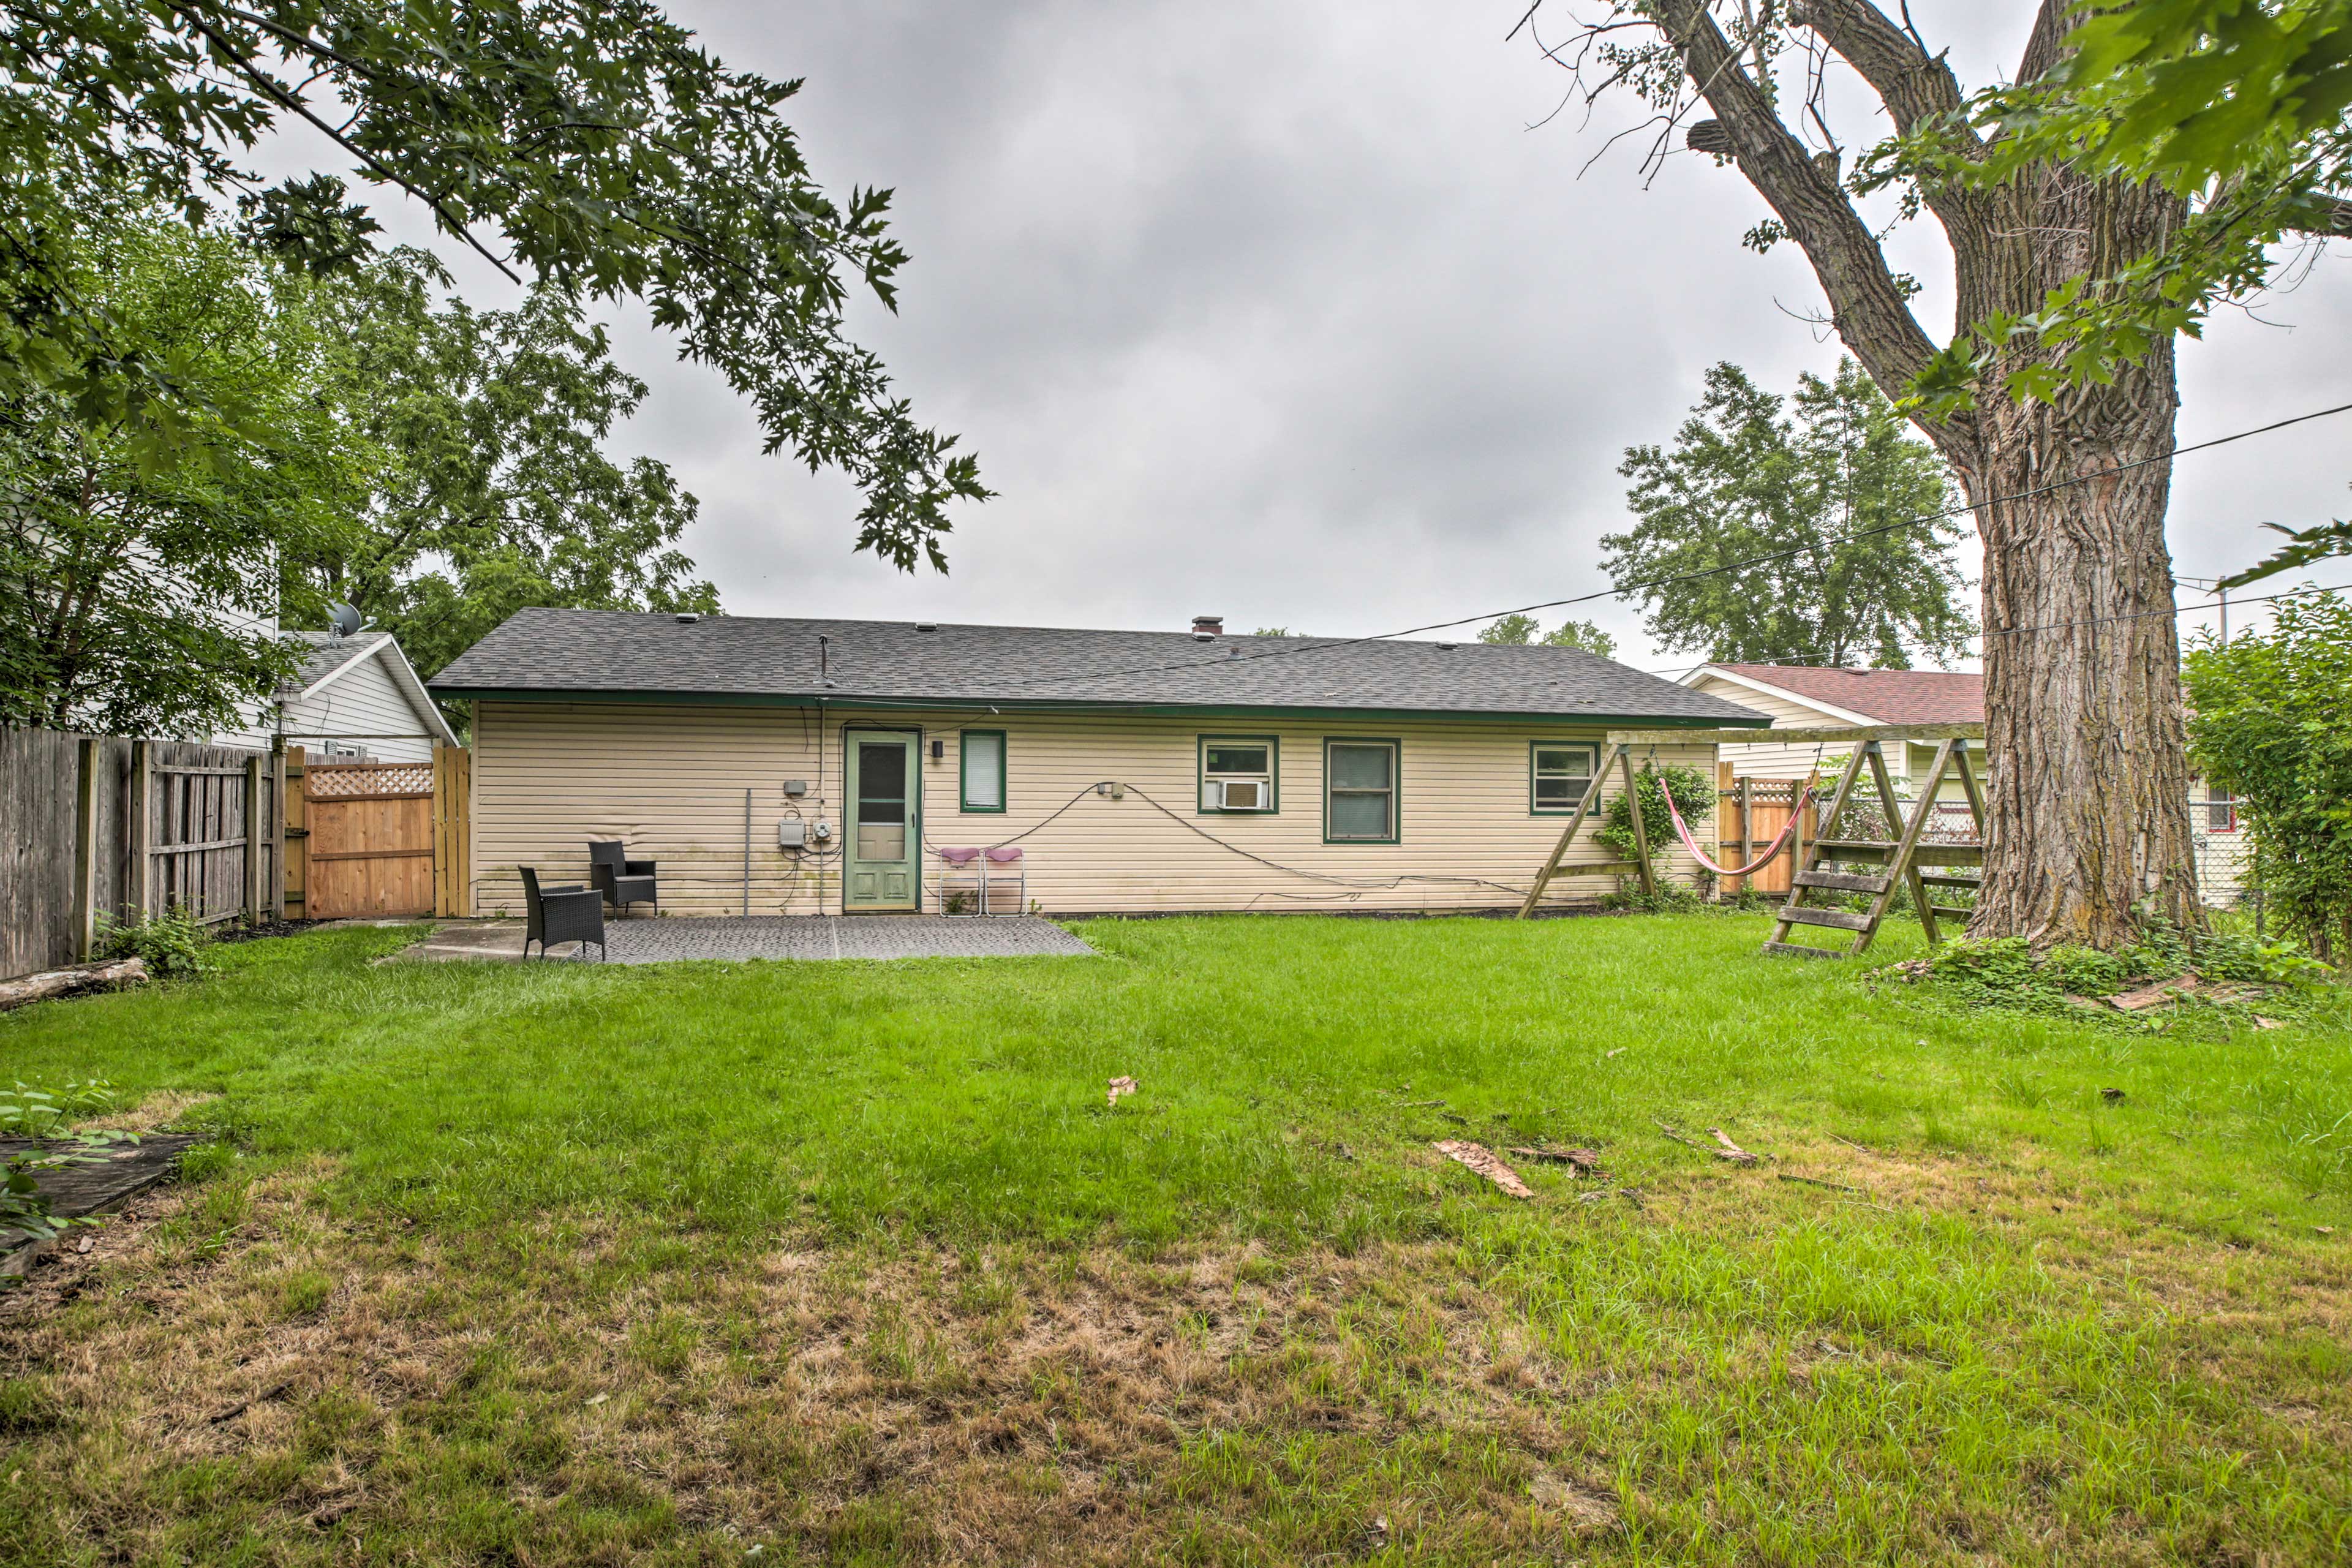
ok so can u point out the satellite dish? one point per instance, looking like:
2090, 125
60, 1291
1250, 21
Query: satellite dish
346, 620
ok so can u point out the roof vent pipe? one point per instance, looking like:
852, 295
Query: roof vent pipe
1204, 627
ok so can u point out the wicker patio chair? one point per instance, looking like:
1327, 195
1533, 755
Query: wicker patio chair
571, 913
622, 880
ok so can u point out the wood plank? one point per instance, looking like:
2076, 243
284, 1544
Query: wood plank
1799, 950
1641, 835
1843, 919
1971, 883
1953, 911
88, 758
1845, 882
1922, 809
375, 854
202, 846
142, 828
1949, 855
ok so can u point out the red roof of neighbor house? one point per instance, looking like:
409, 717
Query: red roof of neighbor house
1887, 696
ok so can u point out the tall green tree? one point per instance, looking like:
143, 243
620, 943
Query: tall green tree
144, 596
2082, 657
2269, 726
1808, 483
587, 145
495, 490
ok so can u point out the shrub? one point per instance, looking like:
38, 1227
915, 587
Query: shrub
1693, 797
172, 943
2269, 726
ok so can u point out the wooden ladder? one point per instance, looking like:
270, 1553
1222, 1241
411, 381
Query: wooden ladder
1902, 857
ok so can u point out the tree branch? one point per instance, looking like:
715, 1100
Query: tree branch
1866, 302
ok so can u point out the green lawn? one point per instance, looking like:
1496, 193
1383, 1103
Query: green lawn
852, 1263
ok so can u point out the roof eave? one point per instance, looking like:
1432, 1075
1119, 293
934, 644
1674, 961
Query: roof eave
1580, 718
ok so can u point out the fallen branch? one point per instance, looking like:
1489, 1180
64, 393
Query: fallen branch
1482, 1160
1731, 1150
1728, 1150
72, 982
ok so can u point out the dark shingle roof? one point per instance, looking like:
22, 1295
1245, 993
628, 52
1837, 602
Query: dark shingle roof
590, 653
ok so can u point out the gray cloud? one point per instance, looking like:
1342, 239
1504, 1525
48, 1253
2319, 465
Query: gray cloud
1283, 312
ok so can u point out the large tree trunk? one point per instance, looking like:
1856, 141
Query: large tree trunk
2088, 806
2089, 798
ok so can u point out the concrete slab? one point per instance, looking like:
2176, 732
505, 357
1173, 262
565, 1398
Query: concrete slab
734, 937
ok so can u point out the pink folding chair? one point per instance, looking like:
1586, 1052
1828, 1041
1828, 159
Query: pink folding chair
963, 887
1005, 868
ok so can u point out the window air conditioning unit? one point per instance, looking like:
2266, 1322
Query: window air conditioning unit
1233, 794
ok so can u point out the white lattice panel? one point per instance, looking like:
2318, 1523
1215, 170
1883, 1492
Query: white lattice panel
347, 779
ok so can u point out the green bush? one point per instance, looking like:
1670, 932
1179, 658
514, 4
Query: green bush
2268, 725
172, 943
2233, 955
1694, 795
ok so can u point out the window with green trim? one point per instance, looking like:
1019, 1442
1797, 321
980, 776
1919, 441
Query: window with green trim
980, 755
1558, 774
1359, 792
1240, 775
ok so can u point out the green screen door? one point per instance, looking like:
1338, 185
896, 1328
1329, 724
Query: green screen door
884, 837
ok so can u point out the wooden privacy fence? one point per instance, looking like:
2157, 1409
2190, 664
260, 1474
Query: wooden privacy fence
1749, 815
378, 838
97, 824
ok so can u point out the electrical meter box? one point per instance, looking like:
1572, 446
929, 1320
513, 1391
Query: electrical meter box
791, 834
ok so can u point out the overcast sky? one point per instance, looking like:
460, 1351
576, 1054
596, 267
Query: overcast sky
1283, 312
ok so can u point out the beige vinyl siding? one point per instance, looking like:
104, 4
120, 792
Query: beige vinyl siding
670, 780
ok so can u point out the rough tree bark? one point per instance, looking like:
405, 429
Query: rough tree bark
2088, 804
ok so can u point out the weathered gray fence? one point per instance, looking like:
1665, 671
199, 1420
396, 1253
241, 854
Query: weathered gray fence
92, 823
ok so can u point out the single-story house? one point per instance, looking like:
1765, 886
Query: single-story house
818, 766
355, 697
1805, 696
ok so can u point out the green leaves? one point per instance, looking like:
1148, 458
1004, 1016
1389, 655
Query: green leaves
589, 145
158, 508
2266, 722
2237, 104
2321, 541
1813, 495
496, 490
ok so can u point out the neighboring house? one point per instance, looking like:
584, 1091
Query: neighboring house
1799, 696
1803, 697
354, 696
1137, 771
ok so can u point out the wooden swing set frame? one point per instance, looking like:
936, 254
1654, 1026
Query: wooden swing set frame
1902, 856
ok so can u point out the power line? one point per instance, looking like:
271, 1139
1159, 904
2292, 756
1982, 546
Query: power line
1231, 659
1801, 660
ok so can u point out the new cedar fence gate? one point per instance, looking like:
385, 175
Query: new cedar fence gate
378, 838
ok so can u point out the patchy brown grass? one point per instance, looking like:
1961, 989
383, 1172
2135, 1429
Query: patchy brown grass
237, 1363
